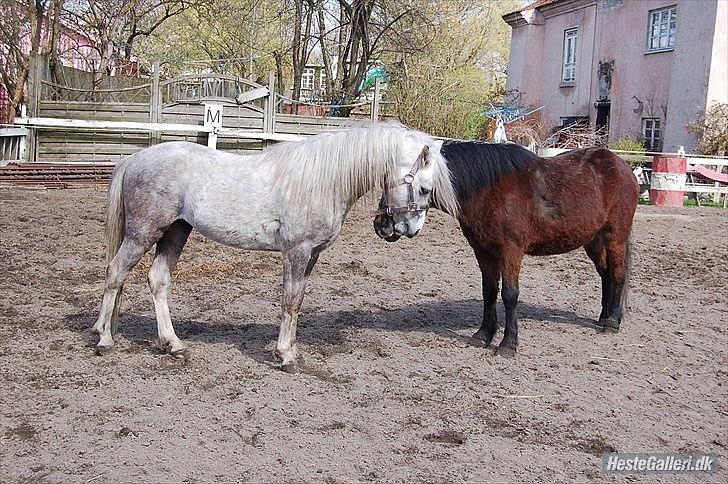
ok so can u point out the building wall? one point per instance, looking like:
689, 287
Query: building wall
572, 100
671, 85
525, 62
691, 68
718, 82
637, 76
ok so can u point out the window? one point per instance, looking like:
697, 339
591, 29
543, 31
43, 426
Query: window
661, 29
568, 73
652, 133
322, 81
307, 79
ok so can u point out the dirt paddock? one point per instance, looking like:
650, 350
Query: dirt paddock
392, 388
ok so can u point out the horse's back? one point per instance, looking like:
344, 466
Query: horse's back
219, 194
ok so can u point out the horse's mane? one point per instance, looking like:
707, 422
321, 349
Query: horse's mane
349, 162
477, 166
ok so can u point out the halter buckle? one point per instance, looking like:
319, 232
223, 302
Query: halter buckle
409, 178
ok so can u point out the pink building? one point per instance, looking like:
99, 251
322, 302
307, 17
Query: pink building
639, 68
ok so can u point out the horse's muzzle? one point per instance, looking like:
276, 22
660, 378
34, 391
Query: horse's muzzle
384, 228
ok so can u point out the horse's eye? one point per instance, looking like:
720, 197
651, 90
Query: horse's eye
424, 191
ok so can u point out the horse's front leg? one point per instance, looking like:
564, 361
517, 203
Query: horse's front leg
490, 270
297, 266
510, 270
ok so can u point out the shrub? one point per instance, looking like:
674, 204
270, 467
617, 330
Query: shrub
628, 144
712, 130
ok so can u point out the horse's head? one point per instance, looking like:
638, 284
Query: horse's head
421, 176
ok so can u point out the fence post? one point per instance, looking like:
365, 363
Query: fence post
269, 118
269, 108
375, 104
155, 104
35, 88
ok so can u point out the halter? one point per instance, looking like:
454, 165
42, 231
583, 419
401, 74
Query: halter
408, 179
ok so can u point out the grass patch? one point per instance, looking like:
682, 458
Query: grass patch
691, 202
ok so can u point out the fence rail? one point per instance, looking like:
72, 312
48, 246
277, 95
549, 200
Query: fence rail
12, 144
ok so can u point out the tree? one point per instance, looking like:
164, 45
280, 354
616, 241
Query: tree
352, 34
444, 86
302, 22
116, 25
204, 37
712, 130
22, 27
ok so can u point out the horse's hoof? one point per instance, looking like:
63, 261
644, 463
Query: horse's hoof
608, 325
478, 343
482, 339
505, 351
179, 353
103, 350
289, 368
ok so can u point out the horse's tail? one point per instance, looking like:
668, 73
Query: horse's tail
115, 228
627, 275
115, 218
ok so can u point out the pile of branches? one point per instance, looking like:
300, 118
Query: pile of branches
577, 135
531, 132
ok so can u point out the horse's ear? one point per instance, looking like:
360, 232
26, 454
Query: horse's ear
425, 156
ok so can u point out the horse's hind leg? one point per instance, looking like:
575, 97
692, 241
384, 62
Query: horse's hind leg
616, 249
597, 252
169, 248
129, 254
511, 259
490, 270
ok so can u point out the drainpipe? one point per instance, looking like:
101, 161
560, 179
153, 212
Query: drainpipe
595, 56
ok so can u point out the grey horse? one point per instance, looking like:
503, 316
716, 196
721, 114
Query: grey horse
292, 198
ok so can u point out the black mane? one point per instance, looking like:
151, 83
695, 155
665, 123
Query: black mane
476, 166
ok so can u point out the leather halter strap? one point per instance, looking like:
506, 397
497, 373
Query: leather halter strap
408, 179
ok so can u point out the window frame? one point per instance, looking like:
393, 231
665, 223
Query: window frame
652, 143
569, 34
309, 74
671, 11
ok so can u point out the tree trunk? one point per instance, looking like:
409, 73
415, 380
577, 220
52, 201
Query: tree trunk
303, 13
52, 48
329, 84
36, 15
280, 82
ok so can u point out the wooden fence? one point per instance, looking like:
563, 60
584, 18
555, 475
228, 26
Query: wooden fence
69, 123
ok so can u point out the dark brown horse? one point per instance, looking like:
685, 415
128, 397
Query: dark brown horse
515, 203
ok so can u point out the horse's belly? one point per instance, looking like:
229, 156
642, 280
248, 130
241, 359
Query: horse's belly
244, 229
559, 237
556, 246
260, 236
235, 216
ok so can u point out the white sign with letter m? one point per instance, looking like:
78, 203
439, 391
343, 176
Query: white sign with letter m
213, 115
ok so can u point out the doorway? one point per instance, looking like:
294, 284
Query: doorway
602, 121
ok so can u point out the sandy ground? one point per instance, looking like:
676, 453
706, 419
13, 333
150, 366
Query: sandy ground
392, 388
